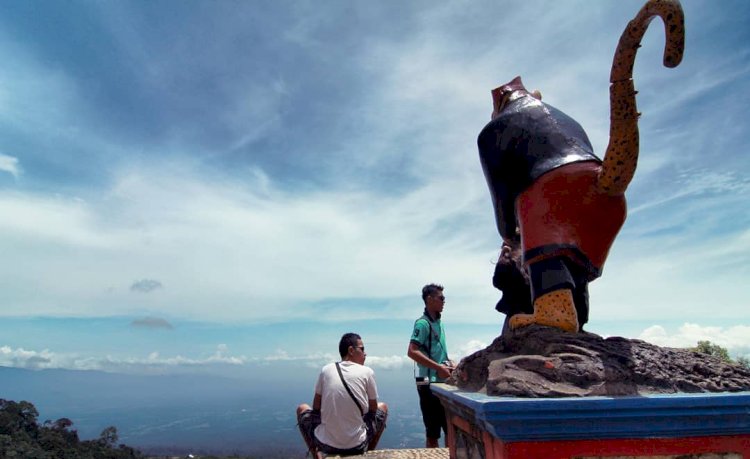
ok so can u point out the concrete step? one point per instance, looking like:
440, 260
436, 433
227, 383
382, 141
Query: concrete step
415, 453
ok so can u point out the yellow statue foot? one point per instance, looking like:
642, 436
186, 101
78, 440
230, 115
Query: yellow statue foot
554, 309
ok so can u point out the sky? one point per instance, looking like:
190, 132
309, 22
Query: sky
201, 186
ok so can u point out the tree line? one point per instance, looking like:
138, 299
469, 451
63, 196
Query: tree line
21, 436
707, 347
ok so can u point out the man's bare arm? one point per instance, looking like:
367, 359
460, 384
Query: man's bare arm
418, 356
317, 402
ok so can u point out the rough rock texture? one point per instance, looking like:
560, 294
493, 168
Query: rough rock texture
540, 361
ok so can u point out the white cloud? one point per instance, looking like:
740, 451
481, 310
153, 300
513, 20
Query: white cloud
388, 362
45, 359
236, 245
393, 362
155, 361
385, 362
315, 360
241, 245
279, 354
23, 358
736, 339
468, 348
252, 249
60, 220
10, 165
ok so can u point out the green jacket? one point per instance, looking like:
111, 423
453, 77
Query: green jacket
430, 337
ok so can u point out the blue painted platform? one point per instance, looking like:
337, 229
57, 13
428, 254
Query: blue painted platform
513, 419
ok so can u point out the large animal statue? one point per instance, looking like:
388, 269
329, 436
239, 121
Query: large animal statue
552, 196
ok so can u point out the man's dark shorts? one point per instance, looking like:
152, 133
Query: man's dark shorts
308, 420
433, 414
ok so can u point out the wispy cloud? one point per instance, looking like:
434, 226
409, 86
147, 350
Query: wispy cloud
735, 338
151, 322
56, 219
10, 165
392, 362
320, 162
46, 359
145, 285
696, 183
247, 245
378, 362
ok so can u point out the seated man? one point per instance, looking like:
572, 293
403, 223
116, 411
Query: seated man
346, 418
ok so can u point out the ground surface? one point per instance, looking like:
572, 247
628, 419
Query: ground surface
416, 453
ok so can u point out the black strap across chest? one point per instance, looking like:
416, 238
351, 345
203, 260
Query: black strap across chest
431, 334
346, 386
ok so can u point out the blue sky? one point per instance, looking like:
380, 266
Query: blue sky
195, 185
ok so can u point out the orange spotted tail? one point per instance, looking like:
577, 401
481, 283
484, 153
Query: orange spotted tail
621, 157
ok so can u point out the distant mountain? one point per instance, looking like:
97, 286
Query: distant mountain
97, 388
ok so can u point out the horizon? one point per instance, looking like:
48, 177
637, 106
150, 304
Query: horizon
200, 413
213, 187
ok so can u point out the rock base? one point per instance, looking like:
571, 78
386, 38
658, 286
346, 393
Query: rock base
539, 361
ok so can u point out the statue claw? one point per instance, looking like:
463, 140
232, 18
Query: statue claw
521, 320
554, 309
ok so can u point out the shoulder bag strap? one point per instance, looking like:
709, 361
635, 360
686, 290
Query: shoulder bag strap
346, 386
429, 343
431, 334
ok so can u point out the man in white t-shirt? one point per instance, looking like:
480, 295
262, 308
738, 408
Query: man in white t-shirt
344, 421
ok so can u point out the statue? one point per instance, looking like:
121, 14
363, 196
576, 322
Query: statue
555, 201
558, 208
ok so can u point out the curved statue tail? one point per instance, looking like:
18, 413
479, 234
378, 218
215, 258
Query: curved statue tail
621, 157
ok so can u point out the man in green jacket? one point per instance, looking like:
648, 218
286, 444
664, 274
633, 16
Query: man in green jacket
428, 349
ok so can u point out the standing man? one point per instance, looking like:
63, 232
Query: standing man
427, 348
346, 418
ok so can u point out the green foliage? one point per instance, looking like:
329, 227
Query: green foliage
707, 347
23, 438
108, 437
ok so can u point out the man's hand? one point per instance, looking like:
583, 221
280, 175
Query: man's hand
444, 371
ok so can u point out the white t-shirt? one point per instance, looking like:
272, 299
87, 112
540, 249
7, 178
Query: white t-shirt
341, 423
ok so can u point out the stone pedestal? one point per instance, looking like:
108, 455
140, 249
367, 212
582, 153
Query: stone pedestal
706, 425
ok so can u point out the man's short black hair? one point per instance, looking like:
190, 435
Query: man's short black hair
429, 290
349, 339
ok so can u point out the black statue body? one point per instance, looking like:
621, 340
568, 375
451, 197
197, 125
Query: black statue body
531, 154
555, 201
